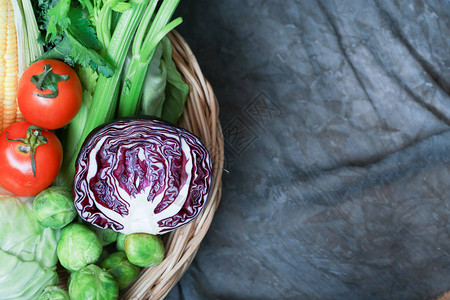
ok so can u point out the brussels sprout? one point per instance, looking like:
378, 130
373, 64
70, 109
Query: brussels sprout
54, 293
120, 244
54, 207
94, 283
144, 250
106, 236
78, 247
121, 269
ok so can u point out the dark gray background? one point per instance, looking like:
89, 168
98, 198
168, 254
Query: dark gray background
336, 120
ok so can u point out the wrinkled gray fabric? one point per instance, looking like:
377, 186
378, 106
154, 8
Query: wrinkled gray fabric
336, 120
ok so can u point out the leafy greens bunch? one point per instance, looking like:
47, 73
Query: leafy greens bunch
69, 35
122, 56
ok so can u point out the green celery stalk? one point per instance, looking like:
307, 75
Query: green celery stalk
104, 101
143, 49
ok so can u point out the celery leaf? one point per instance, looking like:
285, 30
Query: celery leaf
73, 52
85, 57
58, 19
82, 30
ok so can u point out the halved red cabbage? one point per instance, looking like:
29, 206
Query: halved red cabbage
141, 175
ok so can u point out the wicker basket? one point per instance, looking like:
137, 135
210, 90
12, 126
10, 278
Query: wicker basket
201, 117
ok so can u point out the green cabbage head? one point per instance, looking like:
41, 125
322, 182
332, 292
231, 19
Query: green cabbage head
27, 252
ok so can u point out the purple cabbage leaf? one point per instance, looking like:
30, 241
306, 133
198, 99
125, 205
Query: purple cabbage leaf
141, 176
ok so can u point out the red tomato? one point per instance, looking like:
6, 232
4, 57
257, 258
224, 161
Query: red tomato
49, 94
16, 168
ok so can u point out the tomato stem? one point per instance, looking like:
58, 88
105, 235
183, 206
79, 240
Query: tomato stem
48, 80
33, 139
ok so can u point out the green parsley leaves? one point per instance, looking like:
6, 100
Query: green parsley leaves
73, 36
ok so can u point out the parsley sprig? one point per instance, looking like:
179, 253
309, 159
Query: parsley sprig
71, 36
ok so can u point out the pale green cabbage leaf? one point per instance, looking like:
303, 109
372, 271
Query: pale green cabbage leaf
27, 252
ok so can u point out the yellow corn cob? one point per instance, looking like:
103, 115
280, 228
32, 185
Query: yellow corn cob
3, 30
8, 65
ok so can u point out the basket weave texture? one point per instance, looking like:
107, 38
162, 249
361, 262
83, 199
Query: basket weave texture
201, 117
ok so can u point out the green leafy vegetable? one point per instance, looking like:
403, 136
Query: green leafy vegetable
82, 30
72, 51
154, 90
176, 90
99, 35
88, 57
104, 101
73, 36
27, 252
58, 19
23, 279
41, 9
164, 92
143, 50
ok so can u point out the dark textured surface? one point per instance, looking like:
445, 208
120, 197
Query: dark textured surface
336, 119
